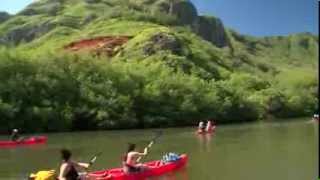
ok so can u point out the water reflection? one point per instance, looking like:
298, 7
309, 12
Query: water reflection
181, 174
204, 141
264, 151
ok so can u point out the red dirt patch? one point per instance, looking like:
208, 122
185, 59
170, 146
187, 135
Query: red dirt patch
108, 45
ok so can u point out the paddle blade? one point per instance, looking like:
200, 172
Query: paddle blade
158, 134
94, 158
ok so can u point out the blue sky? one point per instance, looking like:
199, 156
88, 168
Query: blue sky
253, 17
13, 6
264, 17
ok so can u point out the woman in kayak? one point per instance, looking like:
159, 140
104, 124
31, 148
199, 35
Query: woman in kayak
130, 160
201, 127
68, 168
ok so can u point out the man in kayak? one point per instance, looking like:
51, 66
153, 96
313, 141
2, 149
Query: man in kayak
130, 164
201, 127
68, 168
15, 135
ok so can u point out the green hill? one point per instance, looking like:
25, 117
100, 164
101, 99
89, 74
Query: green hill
176, 68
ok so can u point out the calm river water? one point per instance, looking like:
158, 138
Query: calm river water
258, 151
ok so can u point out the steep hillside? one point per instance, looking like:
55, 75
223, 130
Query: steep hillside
88, 64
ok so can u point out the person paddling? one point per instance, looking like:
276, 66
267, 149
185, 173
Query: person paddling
130, 164
15, 135
316, 117
210, 126
201, 127
68, 168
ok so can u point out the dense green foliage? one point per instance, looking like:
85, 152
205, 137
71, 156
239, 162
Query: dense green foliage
166, 75
79, 93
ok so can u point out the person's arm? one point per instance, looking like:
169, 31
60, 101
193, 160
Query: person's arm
63, 172
145, 152
81, 165
14, 137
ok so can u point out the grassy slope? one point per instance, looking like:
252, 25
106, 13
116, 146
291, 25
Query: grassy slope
267, 57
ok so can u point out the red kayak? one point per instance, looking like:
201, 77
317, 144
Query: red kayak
28, 141
155, 168
207, 132
204, 132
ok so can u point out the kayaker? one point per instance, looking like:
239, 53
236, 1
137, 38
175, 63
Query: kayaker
210, 126
130, 160
201, 127
316, 117
15, 135
68, 168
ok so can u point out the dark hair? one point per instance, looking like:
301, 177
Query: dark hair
65, 154
131, 147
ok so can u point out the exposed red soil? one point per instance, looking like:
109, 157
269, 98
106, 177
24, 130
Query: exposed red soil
108, 45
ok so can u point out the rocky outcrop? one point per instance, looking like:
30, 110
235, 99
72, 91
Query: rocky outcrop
51, 8
4, 16
212, 30
26, 33
184, 10
209, 28
162, 42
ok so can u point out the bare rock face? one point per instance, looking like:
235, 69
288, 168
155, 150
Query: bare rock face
51, 8
4, 16
184, 10
26, 33
162, 41
212, 30
209, 28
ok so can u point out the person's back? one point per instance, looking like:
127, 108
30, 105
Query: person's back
68, 169
130, 160
72, 173
201, 127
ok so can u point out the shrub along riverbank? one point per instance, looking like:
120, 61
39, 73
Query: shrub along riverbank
69, 92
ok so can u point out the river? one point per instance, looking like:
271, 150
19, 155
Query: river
254, 151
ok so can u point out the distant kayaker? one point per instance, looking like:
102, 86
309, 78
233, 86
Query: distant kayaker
130, 160
68, 168
210, 127
15, 135
201, 127
316, 117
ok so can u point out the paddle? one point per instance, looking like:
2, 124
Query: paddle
94, 158
153, 140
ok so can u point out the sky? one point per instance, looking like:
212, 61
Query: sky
252, 17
